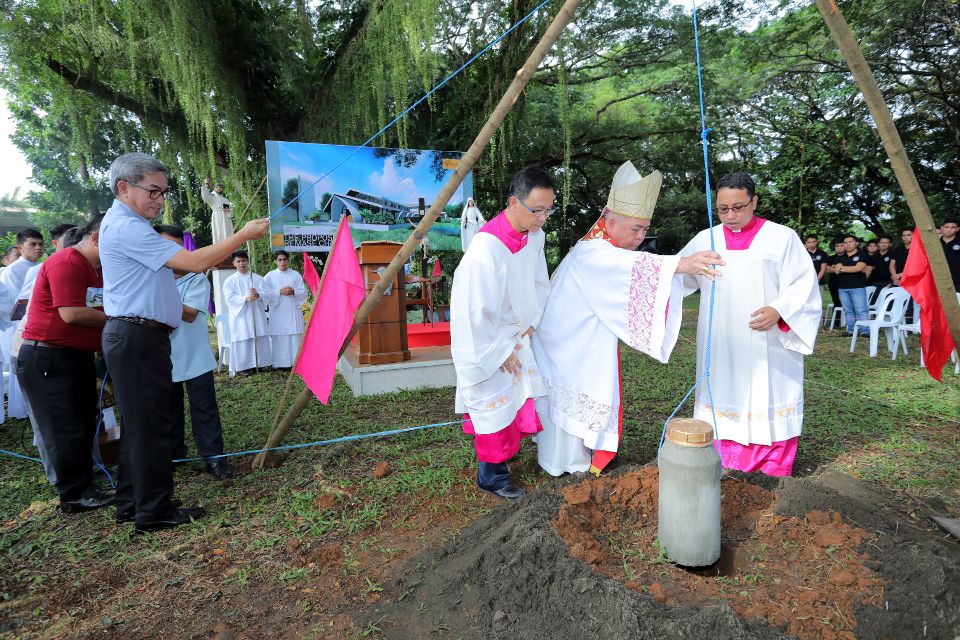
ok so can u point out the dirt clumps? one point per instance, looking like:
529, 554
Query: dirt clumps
804, 575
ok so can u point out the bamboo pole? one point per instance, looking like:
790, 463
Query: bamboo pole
464, 167
850, 49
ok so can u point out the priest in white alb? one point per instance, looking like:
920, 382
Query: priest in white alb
497, 298
603, 292
765, 319
247, 297
286, 314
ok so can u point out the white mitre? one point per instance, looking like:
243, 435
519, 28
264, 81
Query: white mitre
633, 195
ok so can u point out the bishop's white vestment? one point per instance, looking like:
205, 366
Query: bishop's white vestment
599, 295
756, 376
249, 331
499, 291
286, 315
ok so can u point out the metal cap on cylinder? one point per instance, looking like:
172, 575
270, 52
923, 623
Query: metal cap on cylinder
690, 432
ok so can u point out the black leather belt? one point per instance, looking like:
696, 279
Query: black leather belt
146, 322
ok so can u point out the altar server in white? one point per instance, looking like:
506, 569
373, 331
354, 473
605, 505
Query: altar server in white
603, 292
286, 314
497, 298
247, 297
765, 319
470, 221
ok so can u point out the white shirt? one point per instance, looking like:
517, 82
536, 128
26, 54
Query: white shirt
286, 316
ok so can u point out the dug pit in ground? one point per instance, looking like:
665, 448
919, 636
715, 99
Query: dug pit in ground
822, 556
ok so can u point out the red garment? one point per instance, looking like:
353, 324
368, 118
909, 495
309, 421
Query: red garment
63, 281
935, 338
504, 444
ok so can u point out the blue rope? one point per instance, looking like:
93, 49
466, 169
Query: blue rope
412, 107
96, 434
362, 436
705, 142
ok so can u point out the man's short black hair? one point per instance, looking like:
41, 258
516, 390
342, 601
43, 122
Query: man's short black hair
91, 227
240, 253
837, 240
950, 221
171, 230
884, 235
869, 242
811, 235
72, 237
283, 253
850, 235
10, 250
910, 229
530, 178
57, 232
738, 180
26, 234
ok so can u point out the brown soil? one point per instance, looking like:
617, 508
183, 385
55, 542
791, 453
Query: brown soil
805, 575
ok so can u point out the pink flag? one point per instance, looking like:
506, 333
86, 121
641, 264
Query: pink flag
436, 269
337, 301
310, 274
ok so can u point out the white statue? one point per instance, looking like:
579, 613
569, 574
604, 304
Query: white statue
470, 222
221, 220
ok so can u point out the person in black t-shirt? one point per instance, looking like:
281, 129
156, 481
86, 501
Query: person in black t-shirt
898, 256
880, 276
831, 274
850, 269
817, 256
951, 248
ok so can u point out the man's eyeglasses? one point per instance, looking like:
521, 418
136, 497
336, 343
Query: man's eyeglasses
540, 213
737, 208
152, 193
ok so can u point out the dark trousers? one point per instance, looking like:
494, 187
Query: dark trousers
834, 292
138, 359
204, 416
61, 385
493, 475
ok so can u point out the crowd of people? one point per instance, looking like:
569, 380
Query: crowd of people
850, 270
126, 289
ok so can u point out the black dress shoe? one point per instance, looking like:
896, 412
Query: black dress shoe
509, 492
92, 498
245, 373
175, 518
129, 513
220, 469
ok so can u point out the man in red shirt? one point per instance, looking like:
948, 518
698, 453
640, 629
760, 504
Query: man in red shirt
56, 370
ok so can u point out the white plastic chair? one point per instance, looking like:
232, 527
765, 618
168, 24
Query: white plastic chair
223, 341
837, 314
889, 317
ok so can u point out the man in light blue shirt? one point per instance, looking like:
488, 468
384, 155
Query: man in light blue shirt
193, 366
141, 300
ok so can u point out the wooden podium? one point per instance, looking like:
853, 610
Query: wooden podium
383, 337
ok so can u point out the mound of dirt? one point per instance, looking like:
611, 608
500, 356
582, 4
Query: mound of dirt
819, 557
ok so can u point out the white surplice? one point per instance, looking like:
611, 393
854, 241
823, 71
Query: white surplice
286, 315
756, 376
248, 321
496, 296
599, 295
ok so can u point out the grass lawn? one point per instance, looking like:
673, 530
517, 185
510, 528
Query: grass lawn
322, 523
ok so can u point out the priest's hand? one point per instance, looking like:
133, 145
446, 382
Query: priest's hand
255, 229
512, 363
286, 291
764, 318
253, 295
528, 333
700, 264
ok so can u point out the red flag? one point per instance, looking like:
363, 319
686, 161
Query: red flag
935, 339
310, 274
436, 269
341, 293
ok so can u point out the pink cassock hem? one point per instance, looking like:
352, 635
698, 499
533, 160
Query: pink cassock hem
774, 460
504, 444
